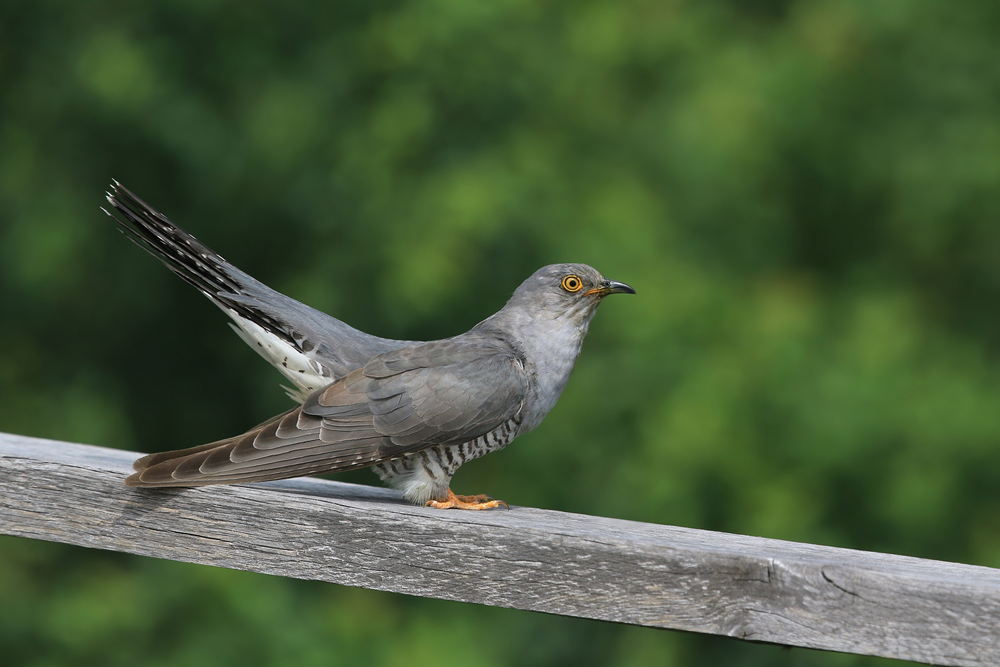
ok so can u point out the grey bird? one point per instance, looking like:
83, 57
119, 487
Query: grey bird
412, 411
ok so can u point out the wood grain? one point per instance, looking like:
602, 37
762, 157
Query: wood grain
747, 587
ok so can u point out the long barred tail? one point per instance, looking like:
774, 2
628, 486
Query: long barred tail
308, 347
282, 330
190, 259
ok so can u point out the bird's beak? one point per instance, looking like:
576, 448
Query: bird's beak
610, 287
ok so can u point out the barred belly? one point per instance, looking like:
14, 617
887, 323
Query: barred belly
426, 475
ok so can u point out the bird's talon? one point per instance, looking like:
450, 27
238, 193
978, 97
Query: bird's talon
478, 502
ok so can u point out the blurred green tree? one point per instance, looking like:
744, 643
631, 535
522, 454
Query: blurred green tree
806, 196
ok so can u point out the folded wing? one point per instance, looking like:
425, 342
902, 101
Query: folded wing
401, 402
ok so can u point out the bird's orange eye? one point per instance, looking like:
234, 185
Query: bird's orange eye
572, 283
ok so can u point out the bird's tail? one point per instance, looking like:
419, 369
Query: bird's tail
261, 315
189, 258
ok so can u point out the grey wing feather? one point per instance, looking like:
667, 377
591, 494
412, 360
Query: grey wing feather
335, 346
298, 442
401, 402
445, 392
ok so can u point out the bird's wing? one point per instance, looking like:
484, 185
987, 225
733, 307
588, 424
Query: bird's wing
445, 392
310, 348
400, 403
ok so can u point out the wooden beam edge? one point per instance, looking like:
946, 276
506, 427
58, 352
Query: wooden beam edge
628, 572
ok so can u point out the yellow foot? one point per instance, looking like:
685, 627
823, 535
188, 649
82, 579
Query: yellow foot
480, 502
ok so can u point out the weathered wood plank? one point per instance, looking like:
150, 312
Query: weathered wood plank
591, 567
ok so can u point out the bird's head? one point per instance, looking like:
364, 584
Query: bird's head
565, 290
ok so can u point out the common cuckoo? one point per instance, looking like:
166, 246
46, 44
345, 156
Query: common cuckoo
412, 411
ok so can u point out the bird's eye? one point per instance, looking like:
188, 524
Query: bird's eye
572, 283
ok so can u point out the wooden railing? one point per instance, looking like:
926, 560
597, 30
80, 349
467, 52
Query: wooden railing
644, 574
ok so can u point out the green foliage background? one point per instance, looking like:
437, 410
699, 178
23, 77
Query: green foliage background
805, 194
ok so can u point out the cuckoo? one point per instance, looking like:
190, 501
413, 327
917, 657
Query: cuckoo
412, 411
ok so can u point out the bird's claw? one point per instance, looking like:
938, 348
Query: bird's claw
477, 502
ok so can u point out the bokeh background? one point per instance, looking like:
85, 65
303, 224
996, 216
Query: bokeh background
805, 194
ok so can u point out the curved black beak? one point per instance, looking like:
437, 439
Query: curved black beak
615, 287
611, 287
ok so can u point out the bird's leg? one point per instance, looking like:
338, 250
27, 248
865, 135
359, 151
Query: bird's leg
480, 502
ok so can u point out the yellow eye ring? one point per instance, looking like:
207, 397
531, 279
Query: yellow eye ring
572, 283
